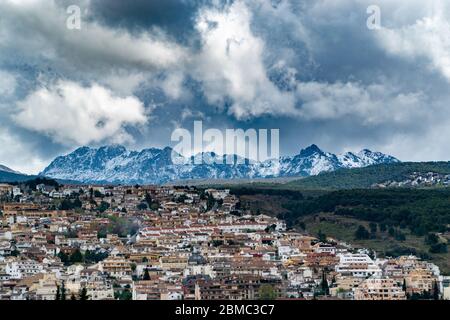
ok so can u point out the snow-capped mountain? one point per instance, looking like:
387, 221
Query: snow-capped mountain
116, 164
364, 158
9, 170
10, 175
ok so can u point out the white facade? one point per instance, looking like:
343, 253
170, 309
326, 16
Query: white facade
357, 265
23, 268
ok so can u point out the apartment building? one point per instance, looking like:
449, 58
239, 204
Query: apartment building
379, 289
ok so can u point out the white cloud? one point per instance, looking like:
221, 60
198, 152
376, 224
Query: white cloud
237, 55
8, 84
71, 114
122, 82
231, 68
173, 85
19, 155
230, 64
425, 145
373, 104
427, 38
43, 31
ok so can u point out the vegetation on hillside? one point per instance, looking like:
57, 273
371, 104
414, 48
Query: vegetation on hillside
421, 211
368, 176
392, 222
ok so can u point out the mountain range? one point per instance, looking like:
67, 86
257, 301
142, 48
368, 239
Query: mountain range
9, 175
6, 169
116, 164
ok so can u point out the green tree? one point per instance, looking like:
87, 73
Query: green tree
400, 236
77, 203
322, 236
435, 290
148, 199
155, 205
142, 206
210, 202
267, 292
362, 233
431, 238
76, 257
94, 257
271, 228
64, 257
98, 194
63, 291
83, 294
103, 206
438, 248
124, 295
324, 285
391, 231
58, 293
146, 275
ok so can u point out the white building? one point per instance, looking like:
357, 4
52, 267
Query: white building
16, 191
357, 265
379, 289
23, 268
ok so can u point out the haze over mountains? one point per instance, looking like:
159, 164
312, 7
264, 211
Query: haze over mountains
116, 164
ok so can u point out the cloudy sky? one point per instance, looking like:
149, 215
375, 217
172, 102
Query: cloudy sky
136, 70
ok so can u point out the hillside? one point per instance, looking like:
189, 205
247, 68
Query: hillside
12, 177
6, 176
368, 176
397, 221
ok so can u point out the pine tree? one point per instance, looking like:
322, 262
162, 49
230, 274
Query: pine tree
63, 291
324, 285
435, 290
64, 257
210, 202
148, 199
83, 294
322, 236
58, 293
146, 275
76, 256
361, 233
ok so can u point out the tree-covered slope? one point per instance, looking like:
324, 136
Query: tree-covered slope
368, 176
13, 177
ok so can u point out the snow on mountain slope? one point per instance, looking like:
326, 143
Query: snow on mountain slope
116, 164
6, 169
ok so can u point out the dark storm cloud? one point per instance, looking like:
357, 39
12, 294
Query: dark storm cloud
311, 68
175, 17
329, 42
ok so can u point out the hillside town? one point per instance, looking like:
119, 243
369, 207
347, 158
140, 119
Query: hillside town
95, 242
418, 180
